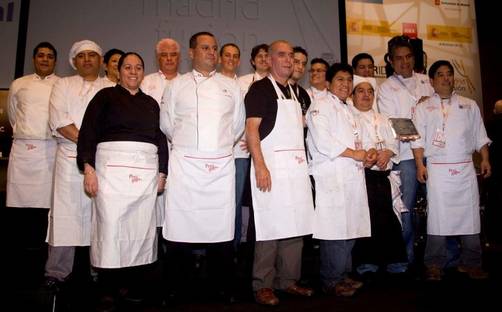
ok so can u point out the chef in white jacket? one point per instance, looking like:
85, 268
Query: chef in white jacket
70, 214
451, 129
397, 97
33, 151
202, 114
335, 140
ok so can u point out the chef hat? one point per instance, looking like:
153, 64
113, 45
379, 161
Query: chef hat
360, 79
83, 45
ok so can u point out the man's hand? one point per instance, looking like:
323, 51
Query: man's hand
486, 168
243, 145
359, 155
263, 179
383, 158
422, 173
371, 158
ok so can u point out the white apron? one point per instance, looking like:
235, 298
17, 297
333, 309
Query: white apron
200, 199
70, 215
287, 210
124, 219
342, 210
30, 172
453, 197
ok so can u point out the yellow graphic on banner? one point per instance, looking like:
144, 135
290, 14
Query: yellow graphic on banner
372, 28
449, 33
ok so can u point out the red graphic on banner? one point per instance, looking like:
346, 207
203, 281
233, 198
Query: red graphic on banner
410, 30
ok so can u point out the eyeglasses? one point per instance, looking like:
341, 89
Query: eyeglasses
317, 70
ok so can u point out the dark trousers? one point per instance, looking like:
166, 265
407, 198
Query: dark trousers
180, 265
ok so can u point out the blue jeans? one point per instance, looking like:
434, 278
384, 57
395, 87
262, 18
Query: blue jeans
336, 260
409, 185
437, 253
241, 172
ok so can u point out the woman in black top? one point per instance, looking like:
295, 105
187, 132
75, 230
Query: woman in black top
123, 155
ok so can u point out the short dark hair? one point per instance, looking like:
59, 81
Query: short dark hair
337, 67
108, 55
434, 67
123, 57
256, 49
318, 60
361, 56
193, 39
301, 50
229, 45
45, 44
399, 42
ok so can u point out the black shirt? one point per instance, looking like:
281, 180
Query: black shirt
114, 114
302, 96
261, 101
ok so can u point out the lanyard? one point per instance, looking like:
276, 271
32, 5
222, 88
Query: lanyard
350, 117
445, 112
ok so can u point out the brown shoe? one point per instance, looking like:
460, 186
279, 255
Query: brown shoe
341, 289
266, 296
433, 273
299, 291
353, 283
473, 272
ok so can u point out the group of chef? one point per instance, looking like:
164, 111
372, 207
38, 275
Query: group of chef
96, 153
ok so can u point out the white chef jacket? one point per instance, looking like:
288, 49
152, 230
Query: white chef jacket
397, 98
378, 129
70, 215
28, 105
154, 85
33, 151
342, 210
200, 204
452, 190
315, 93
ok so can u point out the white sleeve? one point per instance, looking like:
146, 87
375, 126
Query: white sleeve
12, 104
420, 122
166, 121
59, 115
239, 114
385, 101
319, 120
480, 131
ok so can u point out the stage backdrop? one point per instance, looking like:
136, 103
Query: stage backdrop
136, 25
447, 28
9, 25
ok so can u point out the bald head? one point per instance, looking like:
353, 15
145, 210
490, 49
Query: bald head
280, 59
497, 108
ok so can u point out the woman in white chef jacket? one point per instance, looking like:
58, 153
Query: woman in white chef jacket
124, 158
338, 160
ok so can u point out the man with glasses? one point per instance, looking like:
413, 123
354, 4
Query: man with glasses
318, 84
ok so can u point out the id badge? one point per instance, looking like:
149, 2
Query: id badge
358, 144
439, 138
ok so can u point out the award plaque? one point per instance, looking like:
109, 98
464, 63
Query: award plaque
404, 129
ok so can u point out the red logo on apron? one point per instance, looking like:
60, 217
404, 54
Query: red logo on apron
453, 172
30, 146
134, 178
211, 167
299, 159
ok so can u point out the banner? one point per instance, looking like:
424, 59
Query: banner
447, 28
